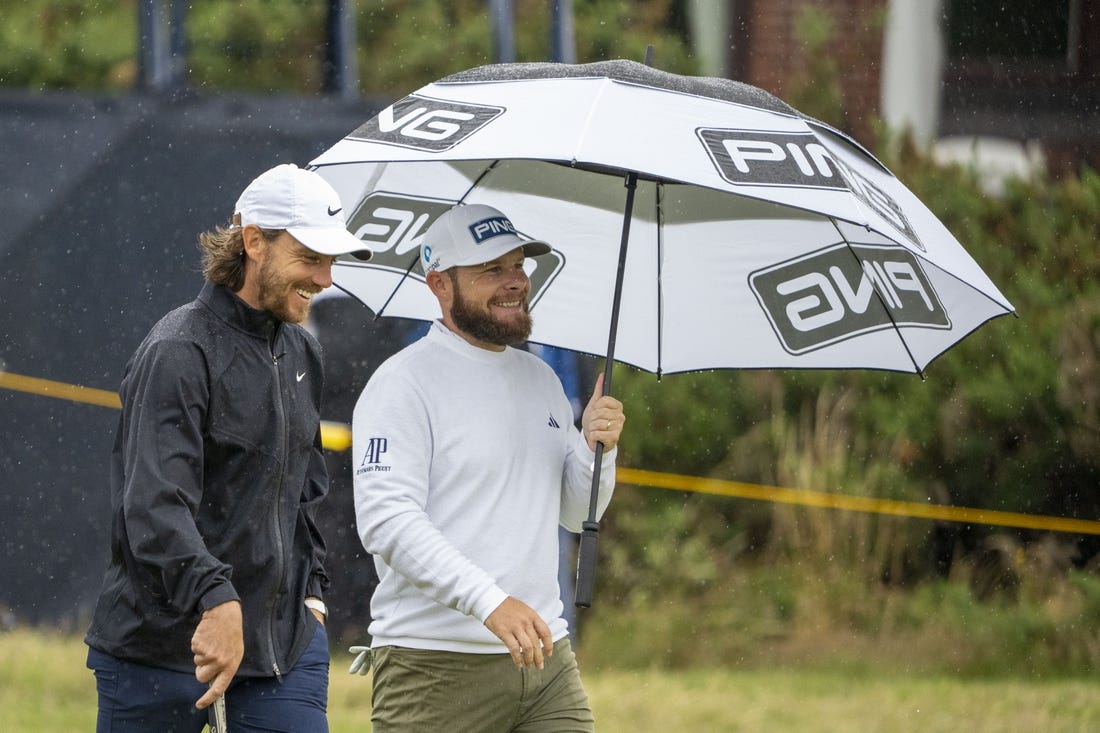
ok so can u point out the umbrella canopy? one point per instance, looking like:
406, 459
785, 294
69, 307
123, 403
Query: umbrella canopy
699, 223
758, 237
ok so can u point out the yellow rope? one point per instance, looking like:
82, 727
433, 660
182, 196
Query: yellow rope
825, 499
47, 388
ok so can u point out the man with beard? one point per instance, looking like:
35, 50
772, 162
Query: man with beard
216, 575
466, 460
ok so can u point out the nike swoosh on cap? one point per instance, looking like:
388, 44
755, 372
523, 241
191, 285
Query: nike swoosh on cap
334, 212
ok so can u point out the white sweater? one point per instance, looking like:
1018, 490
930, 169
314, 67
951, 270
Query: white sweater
465, 462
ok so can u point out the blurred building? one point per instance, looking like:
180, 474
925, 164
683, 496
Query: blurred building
1014, 83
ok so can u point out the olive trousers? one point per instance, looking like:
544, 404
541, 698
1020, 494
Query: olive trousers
416, 690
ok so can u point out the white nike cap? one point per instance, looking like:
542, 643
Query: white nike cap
471, 235
301, 202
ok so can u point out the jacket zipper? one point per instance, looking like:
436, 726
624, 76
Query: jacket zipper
280, 412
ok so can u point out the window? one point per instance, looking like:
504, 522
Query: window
1036, 33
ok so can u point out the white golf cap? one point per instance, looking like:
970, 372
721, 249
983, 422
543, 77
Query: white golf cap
471, 235
301, 202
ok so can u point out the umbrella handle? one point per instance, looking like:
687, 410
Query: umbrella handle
590, 529
586, 564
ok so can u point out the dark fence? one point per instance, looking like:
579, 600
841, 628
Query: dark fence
103, 198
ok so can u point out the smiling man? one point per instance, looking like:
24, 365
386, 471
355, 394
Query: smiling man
466, 462
216, 574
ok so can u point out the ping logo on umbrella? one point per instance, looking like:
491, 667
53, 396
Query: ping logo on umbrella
797, 160
768, 158
428, 124
393, 225
845, 290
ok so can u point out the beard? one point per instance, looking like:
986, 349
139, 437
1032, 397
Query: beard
478, 322
276, 293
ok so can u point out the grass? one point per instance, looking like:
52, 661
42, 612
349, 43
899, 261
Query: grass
793, 700
44, 686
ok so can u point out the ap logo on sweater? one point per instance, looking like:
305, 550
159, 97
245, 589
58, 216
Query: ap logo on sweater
372, 457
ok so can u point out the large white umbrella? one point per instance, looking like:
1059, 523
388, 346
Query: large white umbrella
697, 223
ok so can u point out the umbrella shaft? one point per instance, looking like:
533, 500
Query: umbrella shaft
631, 184
586, 560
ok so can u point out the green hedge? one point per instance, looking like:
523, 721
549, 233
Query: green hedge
277, 45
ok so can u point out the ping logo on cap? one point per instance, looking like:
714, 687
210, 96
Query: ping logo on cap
491, 227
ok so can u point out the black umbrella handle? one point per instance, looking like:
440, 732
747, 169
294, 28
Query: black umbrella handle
590, 538
586, 564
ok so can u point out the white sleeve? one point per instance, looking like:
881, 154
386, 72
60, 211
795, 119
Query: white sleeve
577, 482
392, 444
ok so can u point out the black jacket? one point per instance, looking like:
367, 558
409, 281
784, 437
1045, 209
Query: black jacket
216, 475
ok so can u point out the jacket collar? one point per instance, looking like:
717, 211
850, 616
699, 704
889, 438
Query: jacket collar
234, 311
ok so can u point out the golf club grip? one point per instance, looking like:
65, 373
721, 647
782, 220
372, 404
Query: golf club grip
216, 718
586, 564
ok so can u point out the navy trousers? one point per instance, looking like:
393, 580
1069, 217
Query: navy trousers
134, 698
